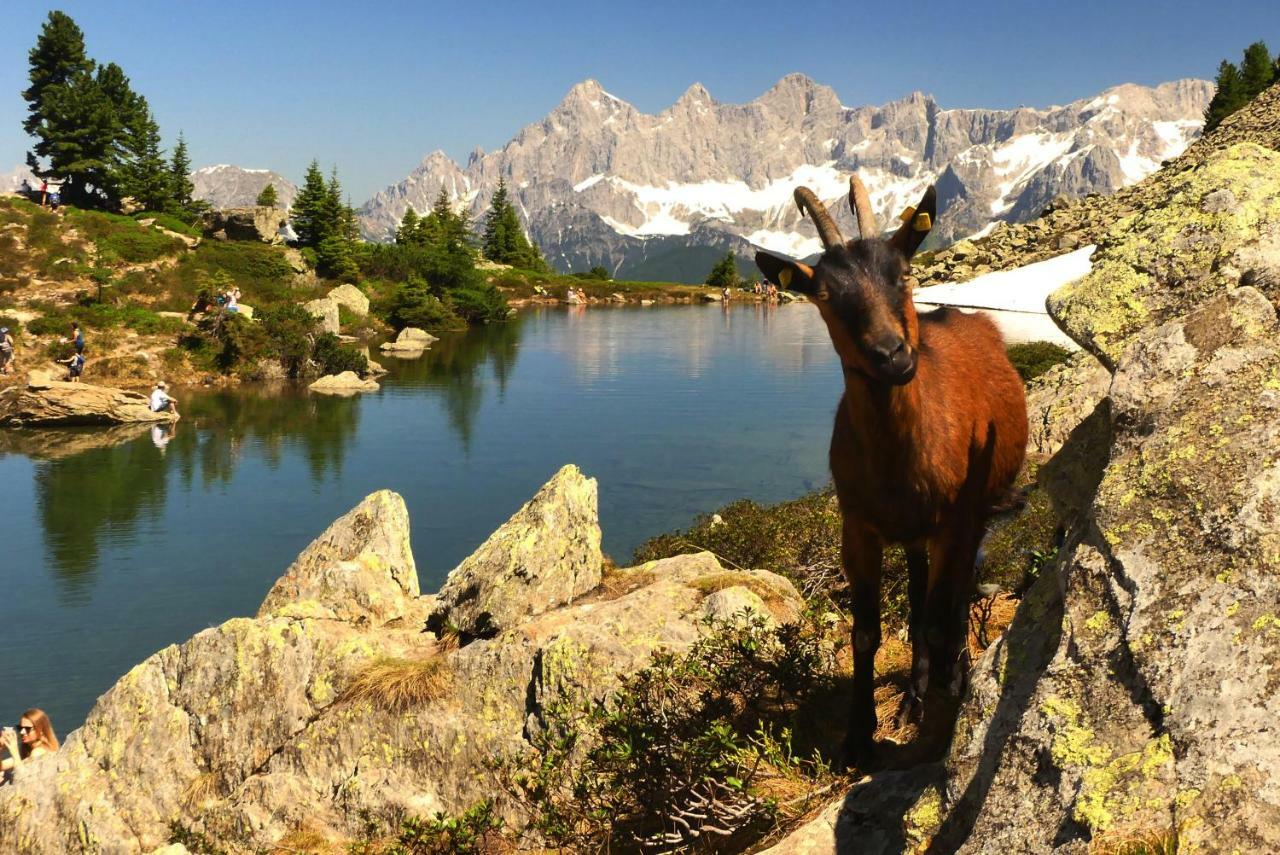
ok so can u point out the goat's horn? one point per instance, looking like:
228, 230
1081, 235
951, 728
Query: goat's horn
811, 205
861, 204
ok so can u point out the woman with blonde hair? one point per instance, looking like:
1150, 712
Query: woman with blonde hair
34, 738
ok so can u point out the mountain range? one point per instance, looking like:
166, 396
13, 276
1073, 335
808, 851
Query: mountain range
599, 182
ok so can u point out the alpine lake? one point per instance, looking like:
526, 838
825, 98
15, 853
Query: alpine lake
117, 542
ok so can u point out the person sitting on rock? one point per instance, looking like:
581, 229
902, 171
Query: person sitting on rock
233, 300
6, 351
75, 366
33, 738
161, 402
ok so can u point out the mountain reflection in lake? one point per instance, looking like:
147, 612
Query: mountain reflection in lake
119, 542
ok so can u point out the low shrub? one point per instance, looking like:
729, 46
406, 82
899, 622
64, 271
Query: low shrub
469, 833
1031, 359
334, 357
122, 238
692, 746
170, 222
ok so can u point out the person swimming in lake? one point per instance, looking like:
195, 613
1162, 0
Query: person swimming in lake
33, 738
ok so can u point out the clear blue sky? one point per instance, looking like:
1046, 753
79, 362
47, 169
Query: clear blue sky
373, 90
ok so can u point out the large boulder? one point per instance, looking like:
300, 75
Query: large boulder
360, 569
1061, 398
253, 223
1216, 220
45, 402
410, 340
352, 297
546, 555
248, 730
325, 311
346, 383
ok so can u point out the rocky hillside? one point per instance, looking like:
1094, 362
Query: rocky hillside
226, 186
599, 182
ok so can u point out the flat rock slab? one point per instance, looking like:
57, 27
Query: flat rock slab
346, 383
55, 403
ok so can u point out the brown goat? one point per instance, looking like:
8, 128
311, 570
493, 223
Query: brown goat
928, 439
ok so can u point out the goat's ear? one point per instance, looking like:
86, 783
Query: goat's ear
786, 274
916, 223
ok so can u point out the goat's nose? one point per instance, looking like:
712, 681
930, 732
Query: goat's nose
889, 351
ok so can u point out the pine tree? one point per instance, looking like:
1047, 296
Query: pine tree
267, 198
146, 175
494, 242
1256, 71
308, 207
725, 273
181, 188
408, 231
74, 123
57, 60
1227, 98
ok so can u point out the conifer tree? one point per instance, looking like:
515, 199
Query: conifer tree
504, 240
1229, 96
74, 124
1256, 71
182, 190
146, 175
267, 198
725, 272
408, 231
308, 207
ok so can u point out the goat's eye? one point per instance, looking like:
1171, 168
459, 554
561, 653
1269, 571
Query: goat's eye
824, 294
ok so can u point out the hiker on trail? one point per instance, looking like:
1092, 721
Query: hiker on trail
161, 402
75, 366
6, 351
44, 190
34, 737
77, 337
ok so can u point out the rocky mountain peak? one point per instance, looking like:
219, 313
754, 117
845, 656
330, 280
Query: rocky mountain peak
695, 95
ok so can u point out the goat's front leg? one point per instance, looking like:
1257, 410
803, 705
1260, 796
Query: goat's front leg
917, 589
861, 551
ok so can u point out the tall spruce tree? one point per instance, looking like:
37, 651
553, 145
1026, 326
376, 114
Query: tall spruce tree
1256, 70
725, 272
74, 123
146, 175
1229, 96
181, 188
308, 207
504, 240
408, 232
267, 198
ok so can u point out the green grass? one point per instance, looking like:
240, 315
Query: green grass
170, 222
56, 320
1035, 358
120, 238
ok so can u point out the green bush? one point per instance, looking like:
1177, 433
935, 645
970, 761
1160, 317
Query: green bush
14, 325
291, 333
480, 304
442, 834
334, 357
414, 305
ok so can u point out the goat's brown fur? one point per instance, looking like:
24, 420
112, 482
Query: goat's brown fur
928, 439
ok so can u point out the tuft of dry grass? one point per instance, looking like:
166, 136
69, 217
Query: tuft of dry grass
708, 585
306, 840
397, 685
617, 582
204, 788
1164, 841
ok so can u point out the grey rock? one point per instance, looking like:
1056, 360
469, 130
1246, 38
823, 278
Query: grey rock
346, 383
352, 297
45, 402
324, 310
546, 555
251, 223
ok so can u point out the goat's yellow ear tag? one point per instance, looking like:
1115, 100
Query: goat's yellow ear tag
907, 214
784, 276
923, 223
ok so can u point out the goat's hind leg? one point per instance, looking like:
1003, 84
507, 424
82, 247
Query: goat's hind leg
861, 552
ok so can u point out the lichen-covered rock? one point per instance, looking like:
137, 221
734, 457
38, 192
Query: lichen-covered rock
256, 222
346, 383
1167, 258
410, 340
246, 731
54, 403
361, 569
325, 311
1059, 399
352, 297
546, 555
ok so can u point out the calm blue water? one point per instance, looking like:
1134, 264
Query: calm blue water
109, 553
